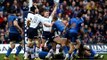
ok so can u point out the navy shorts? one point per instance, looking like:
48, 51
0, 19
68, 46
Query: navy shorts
32, 33
54, 28
71, 35
15, 37
47, 35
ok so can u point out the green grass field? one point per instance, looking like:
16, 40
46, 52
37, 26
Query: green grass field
21, 57
11, 57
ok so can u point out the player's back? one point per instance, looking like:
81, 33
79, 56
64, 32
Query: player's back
75, 24
35, 20
59, 25
12, 28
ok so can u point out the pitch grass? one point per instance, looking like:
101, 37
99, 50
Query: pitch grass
21, 57
11, 57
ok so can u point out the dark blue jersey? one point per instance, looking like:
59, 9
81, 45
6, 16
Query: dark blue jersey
77, 22
59, 25
12, 28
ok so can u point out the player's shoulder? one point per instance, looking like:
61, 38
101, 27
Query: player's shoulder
73, 18
38, 15
30, 14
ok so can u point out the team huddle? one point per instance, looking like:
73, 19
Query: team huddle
50, 37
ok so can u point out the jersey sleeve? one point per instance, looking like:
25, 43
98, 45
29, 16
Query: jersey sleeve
14, 18
50, 18
81, 20
41, 18
28, 16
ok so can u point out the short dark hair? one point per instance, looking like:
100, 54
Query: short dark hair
65, 19
32, 9
55, 18
79, 14
12, 11
45, 10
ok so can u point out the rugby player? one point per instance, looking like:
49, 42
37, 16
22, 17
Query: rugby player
15, 33
47, 35
32, 31
85, 52
72, 33
58, 26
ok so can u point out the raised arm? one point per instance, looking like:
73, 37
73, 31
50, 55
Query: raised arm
55, 7
53, 12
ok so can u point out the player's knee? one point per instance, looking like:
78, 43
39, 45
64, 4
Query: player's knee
64, 42
72, 47
37, 43
29, 40
12, 45
78, 41
30, 44
87, 53
21, 43
85, 47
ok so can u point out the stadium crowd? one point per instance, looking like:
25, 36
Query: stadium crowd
94, 30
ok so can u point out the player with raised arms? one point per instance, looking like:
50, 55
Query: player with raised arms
32, 31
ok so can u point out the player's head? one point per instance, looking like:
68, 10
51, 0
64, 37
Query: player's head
65, 21
34, 10
55, 18
13, 11
79, 15
46, 13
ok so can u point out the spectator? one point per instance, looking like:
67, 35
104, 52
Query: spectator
25, 9
7, 8
16, 6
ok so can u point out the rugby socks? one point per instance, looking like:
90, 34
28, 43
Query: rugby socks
50, 53
42, 54
41, 47
57, 48
75, 51
18, 50
26, 55
92, 52
45, 44
37, 52
9, 51
65, 49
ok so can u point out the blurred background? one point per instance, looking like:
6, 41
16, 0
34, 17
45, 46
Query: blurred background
94, 30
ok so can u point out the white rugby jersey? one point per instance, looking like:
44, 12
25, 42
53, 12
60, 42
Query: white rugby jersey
49, 21
36, 20
30, 16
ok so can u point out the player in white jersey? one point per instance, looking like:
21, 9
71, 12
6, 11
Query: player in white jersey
47, 36
30, 17
33, 26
